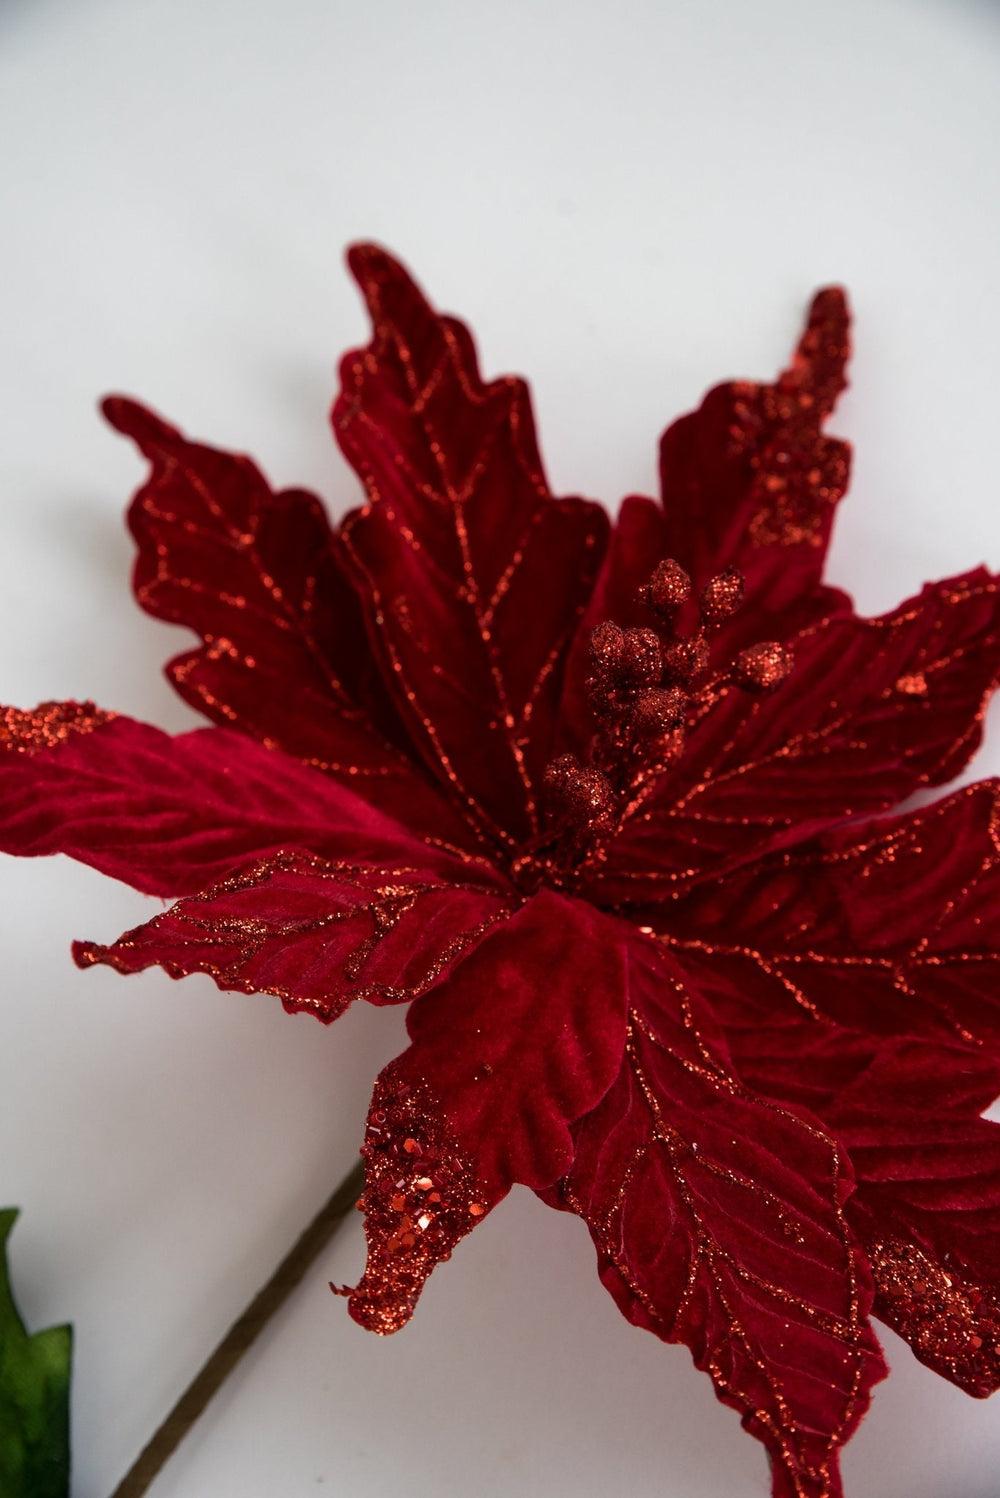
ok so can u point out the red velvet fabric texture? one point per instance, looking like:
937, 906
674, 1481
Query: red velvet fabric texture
744, 1033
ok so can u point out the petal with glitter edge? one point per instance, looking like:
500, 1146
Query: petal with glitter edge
927, 1208
906, 1110
524, 1037
169, 815
477, 575
749, 480
719, 1221
927, 1166
890, 928
858, 976
318, 933
873, 710
260, 576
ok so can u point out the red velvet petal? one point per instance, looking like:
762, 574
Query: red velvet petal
260, 576
422, 1196
523, 1038
478, 577
750, 481
891, 928
949, 1315
927, 1203
315, 932
873, 709
936, 1265
169, 815
825, 966
719, 1222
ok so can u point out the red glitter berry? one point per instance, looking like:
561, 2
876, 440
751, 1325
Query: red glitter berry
685, 660
669, 588
722, 596
624, 658
607, 643
579, 793
658, 711
762, 666
641, 659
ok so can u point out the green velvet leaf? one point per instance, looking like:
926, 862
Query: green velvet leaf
34, 1397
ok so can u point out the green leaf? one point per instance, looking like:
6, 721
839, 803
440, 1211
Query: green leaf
34, 1397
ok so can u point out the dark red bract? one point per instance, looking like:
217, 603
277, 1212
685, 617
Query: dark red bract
607, 805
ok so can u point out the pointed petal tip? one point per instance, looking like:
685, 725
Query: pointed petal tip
360, 251
819, 363
371, 263
391, 294
120, 411
134, 420
830, 308
85, 953
833, 295
376, 1309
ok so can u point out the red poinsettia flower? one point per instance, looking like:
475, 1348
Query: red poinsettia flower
592, 799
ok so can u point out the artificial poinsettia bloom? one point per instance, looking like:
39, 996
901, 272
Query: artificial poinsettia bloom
606, 806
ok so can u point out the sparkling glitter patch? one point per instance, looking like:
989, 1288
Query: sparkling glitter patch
29, 730
952, 1323
420, 1199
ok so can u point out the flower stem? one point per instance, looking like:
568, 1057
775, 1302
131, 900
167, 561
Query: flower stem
239, 1338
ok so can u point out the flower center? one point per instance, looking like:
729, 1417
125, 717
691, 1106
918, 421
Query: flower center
647, 686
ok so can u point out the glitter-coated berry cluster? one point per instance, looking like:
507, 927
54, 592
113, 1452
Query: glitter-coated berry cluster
640, 688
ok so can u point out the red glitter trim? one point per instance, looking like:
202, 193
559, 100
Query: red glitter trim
29, 730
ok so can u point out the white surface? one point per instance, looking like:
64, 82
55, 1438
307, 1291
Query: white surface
629, 201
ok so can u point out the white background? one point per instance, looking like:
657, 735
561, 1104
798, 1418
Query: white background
629, 201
